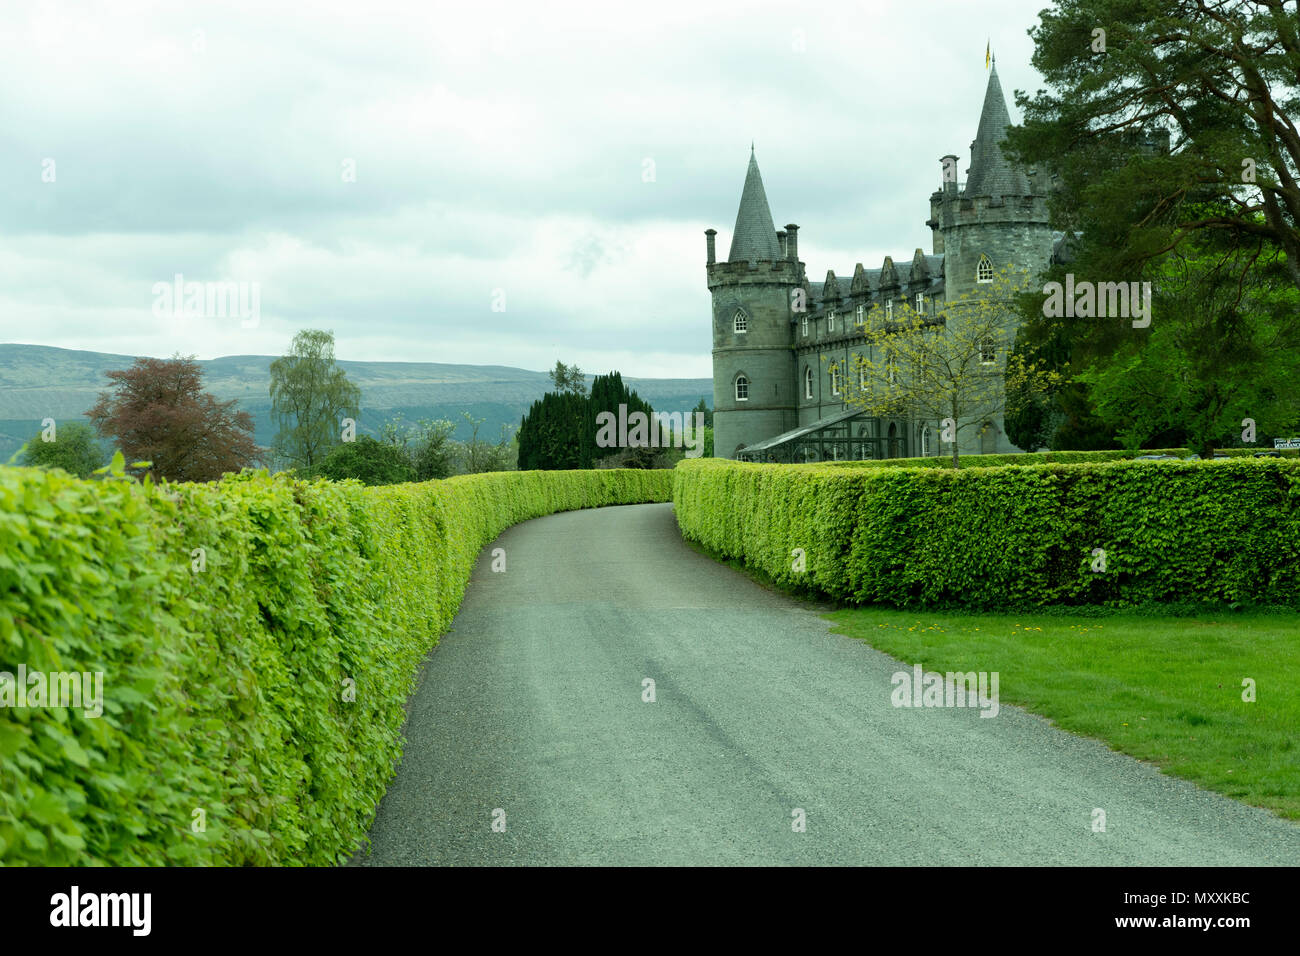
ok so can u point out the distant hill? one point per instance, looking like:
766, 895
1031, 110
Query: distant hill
40, 381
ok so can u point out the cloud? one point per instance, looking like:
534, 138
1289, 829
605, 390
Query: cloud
493, 146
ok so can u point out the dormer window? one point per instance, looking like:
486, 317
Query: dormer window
862, 311
920, 303
742, 388
807, 383
741, 322
889, 310
830, 321
984, 271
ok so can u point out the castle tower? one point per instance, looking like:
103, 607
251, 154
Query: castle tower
998, 220
1000, 217
753, 364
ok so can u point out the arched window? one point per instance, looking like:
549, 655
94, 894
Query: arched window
988, 351
807, 383
741, 321
925, 441
835, 379
742, 388
984, 271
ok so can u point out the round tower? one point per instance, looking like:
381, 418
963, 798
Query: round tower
753, 303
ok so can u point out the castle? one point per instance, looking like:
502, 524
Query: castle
778, 393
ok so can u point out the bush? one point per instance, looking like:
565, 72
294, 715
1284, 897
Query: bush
259, 638
1214, 532
74, 449
1041, 458
369, 461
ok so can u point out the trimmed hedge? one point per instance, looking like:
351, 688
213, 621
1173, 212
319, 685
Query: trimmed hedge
1211, 532
226, 735
1040, 458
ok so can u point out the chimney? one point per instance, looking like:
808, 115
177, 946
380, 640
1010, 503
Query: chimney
949, 174
792, 241
708, 238
780, 238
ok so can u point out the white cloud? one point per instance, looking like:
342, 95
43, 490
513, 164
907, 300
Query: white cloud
495, 146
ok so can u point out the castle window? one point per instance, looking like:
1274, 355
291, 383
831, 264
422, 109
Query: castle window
741, 322
889, 309
988, 351
925, 441
742, 389
862, 311
920, 303
807, 383
835, 379
830, 321
805, 326
984, 271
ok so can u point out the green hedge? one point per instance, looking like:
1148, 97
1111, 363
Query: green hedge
1040, 458
1211, 532
224, 689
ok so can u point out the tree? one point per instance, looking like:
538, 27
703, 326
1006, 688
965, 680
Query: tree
608, 392
478, 455
708, 413
367, 459
568, 378
427, 445
1223, 347
156, 411
310, 396
549, 433
1219, 77
73, 448
952, 368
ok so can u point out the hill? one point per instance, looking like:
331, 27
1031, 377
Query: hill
40, 381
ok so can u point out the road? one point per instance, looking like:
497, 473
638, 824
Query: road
530, 741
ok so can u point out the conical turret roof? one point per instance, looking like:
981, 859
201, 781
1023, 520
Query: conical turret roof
754, 236
991, 173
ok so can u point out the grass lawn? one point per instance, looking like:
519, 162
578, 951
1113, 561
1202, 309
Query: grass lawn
1163, 689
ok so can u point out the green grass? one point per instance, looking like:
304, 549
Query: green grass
1163, 689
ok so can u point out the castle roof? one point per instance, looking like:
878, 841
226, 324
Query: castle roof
754, 236
991, 173
902, 272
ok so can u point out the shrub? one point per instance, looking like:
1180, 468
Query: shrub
369, 461
74, 449
259, 638
1213, 532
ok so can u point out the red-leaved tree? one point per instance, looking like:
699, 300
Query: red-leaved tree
157, 411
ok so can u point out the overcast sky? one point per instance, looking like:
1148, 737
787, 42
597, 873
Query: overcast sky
496, 146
